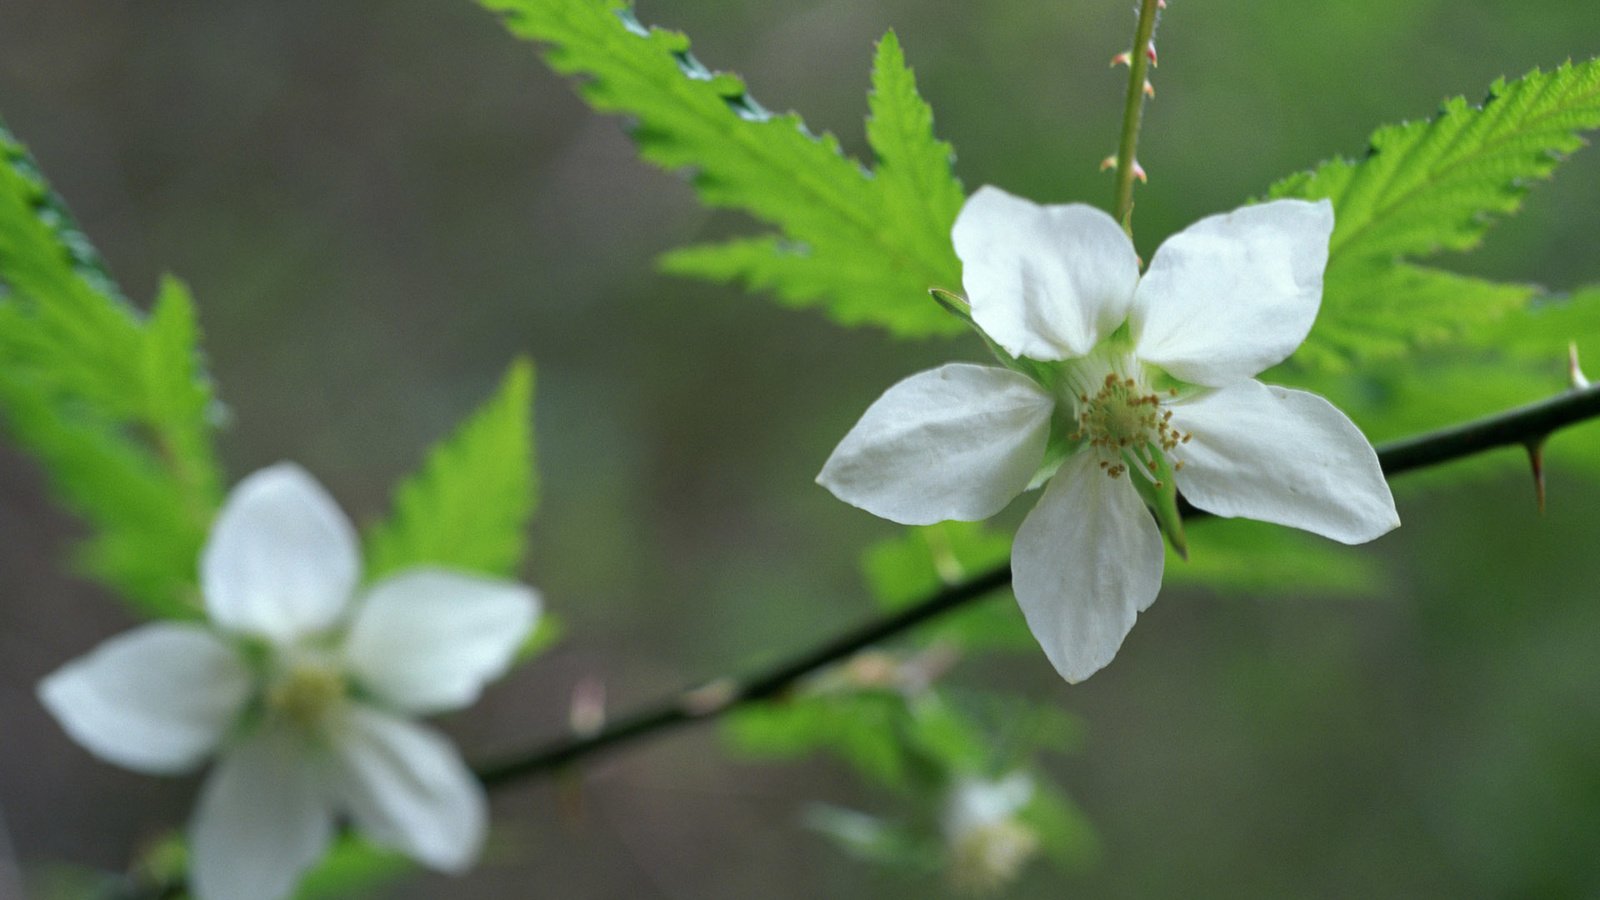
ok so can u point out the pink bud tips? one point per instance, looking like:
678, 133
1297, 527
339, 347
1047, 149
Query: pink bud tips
1122, 59
1109, 163
1150, 51
1149, 89
1161, 4
1139, 173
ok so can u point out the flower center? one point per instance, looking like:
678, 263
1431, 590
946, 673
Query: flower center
990, 856
1122, 421
307, 693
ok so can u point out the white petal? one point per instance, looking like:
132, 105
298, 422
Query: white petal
1234, 294
407, 789
1046, 282
157, 699
1085, 562
956, 442
282, 559
428, 640
1282, 456
263, 819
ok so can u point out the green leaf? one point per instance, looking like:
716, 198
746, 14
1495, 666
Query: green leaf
864, 246
1063, 829
872, 839
114, 405
1430, 186
865, 728
913, 174
904, 570
1375, 311
353, 868
469, 505
82, 342
178, 398
145, 541
1246, 557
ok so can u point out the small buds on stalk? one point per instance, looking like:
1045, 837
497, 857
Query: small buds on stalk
1109, 164
1122, 59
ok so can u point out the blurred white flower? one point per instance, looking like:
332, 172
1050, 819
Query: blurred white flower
1117, 386
303, 687
986, 841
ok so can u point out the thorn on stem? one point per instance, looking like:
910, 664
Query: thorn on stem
1574, 372
709, 699
587, 714
1535, 448
1139, 173
1122, 59
1149, 89
1150, 51
1109, 163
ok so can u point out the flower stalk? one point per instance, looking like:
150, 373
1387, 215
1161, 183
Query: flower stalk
1139, 61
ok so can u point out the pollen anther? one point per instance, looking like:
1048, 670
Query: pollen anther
1125, 424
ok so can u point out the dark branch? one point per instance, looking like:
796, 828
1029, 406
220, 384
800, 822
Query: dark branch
1527, 425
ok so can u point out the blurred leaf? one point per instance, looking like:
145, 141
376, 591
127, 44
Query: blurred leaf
1385, 310
115, 406
1243, 556
547, 633
1541, 333
1063, 830
864, 728
469, 505
83, 344
353, 868
178, 393
905, 570
864, 246
145, 541
1430, 186
872, 839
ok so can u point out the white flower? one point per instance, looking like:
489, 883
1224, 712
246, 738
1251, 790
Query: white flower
303, 689
986, 841
1119, 385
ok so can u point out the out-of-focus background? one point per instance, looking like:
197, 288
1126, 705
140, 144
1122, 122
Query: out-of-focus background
378, 204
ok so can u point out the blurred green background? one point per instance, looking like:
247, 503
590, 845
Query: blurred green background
378, 204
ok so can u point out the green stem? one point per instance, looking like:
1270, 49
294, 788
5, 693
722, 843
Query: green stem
1133, 111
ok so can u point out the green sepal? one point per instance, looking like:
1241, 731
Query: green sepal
1162, 498
957, 306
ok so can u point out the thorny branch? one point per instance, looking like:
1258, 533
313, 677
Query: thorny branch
1527, 426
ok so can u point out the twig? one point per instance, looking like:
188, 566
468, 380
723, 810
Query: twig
1139, 60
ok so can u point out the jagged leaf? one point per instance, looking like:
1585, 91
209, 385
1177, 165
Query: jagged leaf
468, 506
1436, 185
864, 246
144, 539
113, 404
